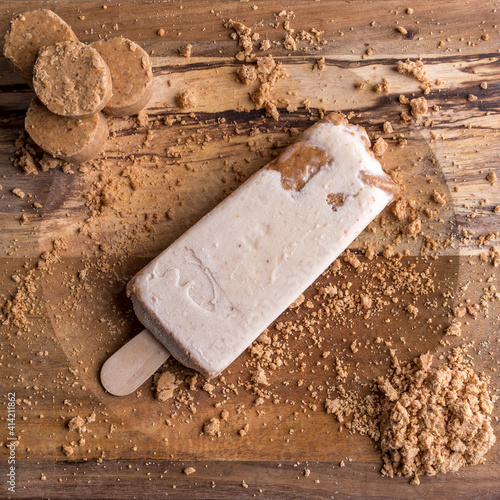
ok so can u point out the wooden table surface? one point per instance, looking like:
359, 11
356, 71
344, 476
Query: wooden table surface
137, 447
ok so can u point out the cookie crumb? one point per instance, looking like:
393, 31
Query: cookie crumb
379, 147
186, 99
186, 50
418, 107
212, 427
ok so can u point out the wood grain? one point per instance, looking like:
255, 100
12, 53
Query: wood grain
189, 167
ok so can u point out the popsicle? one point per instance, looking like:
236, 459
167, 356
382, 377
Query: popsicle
211, 293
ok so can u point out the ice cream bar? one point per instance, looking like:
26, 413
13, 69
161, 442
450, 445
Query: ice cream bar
211, 293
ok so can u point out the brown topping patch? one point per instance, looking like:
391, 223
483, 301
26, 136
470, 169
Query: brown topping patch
298, 163
336, 119
335, 200
381, 182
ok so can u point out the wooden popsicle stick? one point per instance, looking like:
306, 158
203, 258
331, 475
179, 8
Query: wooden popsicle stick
129, 367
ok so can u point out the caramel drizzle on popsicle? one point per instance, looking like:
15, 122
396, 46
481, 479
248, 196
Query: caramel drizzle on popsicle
385, 183
298, 163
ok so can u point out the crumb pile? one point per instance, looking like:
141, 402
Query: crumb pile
424, 419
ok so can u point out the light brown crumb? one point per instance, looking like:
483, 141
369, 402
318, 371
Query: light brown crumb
379, 147
186, 50
413, 69
189, 470
454, 329
260, 377
18, 193
244, 431
382, 87
320, 64
413, 310
142, 118
414, 227
483, 85
186, 99
418, 107
212, 427
409, 11
247, 74
453, 427
399, 209
265, 44
472, 97
297, 302
77, 423
387, 128
67, 450
161, 32
402, 30
165, 385
492, 178
439, 198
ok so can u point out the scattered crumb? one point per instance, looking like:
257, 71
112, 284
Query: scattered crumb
418, 107
18, 193
77, 423
413, 69
186, 99
379, 147
387, 128
165, 384
320, 64
212, 427
67, 450
186, 50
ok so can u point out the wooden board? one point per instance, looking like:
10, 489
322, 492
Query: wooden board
185, 169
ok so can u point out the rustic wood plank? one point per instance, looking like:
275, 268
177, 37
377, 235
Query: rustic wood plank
76, 325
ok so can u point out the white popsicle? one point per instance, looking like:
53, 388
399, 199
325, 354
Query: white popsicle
211, 293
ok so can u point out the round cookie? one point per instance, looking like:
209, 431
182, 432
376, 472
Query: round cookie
131, 73
72, 79
71, 139
29, 32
